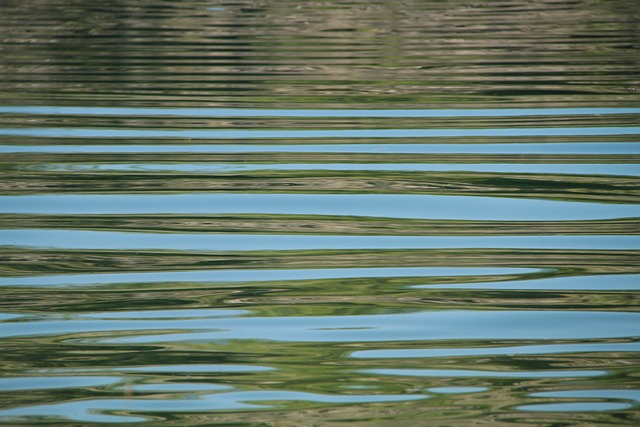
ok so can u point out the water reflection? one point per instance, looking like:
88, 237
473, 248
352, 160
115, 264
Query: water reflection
360, 53
319, 213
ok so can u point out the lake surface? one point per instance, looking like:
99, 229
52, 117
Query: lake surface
342, 213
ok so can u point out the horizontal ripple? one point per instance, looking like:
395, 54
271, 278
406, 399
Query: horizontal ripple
196, 368
175, 388
73, 239
576, 407
586, 169
593, 394
101, 410
394, 206
49, 382
243, 112
251, 275
496, 351
580, 283
452, 373
424, 325
295, 134
430, 148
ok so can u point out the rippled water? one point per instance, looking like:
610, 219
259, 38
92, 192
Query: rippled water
351, 212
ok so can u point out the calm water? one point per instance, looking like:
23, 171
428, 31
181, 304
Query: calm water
342, 213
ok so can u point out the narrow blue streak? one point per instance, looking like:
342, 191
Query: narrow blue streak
270, 134
243, 112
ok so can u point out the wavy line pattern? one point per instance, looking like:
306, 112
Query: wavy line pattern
352, 212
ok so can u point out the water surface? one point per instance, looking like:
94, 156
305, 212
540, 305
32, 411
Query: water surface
352, 212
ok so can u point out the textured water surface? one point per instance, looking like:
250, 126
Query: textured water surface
283, 213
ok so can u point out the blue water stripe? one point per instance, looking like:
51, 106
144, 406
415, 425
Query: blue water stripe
333, 113
370, 205
297, 134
